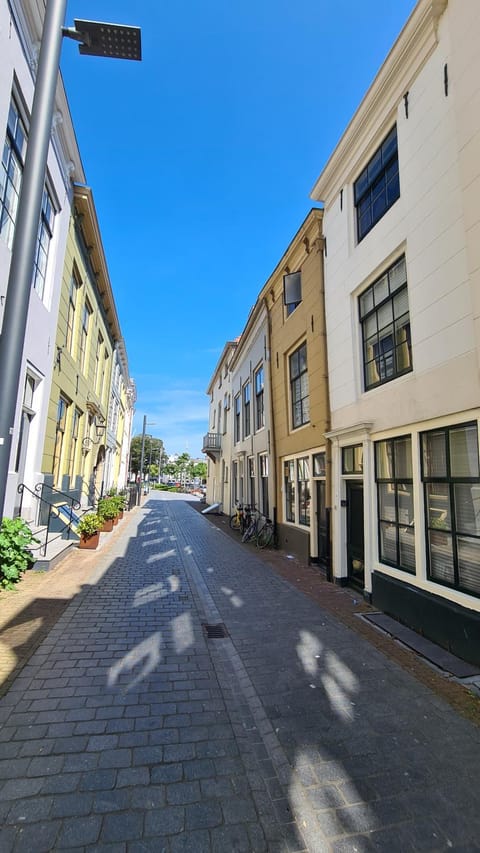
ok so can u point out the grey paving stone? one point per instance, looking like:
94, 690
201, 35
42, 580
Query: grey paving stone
238, 810
77, 832
191, 842
30, 810
169, 820
167, 773
72, 805
98, 780
183, 792
13, 789
124, 826
133, 776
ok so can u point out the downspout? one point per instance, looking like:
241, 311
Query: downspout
272, 441
328, 425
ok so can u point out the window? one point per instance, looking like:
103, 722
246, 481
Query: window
352, 459
385, 319
451, 477
45, 231
226, 406
28, 413
303, 476
101, 392
98, 359
396, 530
11, 172
59, 434
251, 479
246, 409
259, 399
264, 484
299, 387
378, 186
292, 291
73, 447
82, 355
72, 302
237, 402
290, 490
320, 464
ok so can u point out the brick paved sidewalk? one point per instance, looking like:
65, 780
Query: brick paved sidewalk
30, 611
346, 605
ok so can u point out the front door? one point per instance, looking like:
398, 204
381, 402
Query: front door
355, 536
323, 532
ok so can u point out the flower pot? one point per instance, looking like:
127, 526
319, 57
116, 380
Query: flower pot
107, 525
90, 542
115, 520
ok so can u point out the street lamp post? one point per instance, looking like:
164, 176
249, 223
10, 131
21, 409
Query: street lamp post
96, 39
142, 458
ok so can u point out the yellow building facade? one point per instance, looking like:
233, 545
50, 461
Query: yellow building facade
87, 333
294, 296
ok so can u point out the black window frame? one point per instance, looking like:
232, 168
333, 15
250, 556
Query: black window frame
259, 398
395, 481
292, 291
298, 373
237, 403
377, 188
372, 302
247, 396
449, 481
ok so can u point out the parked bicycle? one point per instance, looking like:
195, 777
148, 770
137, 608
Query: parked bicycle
240, 519
260, 529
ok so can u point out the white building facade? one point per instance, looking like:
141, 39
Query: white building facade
20, 33
251, 461
217, 443
402, 300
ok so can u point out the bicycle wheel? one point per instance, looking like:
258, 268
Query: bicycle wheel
235, 521
265, 535
250, 532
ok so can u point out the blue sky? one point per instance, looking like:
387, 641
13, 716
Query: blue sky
201, 159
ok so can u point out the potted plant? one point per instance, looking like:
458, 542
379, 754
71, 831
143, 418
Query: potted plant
107, 508
88, 529
120, 504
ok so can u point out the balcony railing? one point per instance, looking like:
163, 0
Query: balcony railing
212, 442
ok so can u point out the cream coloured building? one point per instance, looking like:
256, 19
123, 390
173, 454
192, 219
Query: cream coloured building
402, 297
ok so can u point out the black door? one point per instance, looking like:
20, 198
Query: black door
323, 532
355, 537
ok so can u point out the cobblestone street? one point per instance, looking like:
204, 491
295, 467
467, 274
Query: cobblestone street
130, 729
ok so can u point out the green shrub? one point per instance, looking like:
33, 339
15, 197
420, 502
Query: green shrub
89, 524
15, 557
107, 508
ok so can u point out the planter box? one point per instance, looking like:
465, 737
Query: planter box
89, 542
107, 525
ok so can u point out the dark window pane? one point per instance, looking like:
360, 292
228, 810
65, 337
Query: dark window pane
441, 557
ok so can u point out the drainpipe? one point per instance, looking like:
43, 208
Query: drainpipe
272, 441
328, 424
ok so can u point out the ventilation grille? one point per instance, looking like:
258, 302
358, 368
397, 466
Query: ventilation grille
215, 632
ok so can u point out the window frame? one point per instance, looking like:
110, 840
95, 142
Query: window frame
259, 379
379, 177
449, 481
395, 481
237, 403
13, 153
246, 400
44, 237
292, 291
298, 376
372, 302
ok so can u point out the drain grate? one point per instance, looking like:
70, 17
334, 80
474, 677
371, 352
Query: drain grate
215, 632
